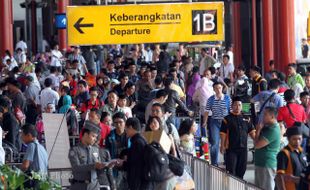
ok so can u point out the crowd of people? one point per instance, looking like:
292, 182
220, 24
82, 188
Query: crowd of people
111, 99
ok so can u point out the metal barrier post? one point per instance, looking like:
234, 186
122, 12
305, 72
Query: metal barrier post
250, 186
11, 153
187, 158
235, 183
201, 173
217, 178
61, 176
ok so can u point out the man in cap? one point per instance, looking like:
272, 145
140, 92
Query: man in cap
291, 161
85, 160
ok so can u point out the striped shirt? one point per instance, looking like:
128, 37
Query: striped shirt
219, 109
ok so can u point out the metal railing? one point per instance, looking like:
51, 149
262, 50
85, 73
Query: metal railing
61, 176
207, 176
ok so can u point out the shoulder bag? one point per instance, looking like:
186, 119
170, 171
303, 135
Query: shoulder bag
305, 129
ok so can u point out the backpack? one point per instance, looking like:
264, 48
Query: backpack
156, 163
242, 89
227, 102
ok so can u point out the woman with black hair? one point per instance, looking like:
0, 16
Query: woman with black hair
154, 124
186, 131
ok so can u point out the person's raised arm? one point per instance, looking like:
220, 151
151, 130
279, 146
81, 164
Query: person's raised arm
260, 142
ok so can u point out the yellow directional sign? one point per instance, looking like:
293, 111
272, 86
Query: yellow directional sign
128, 24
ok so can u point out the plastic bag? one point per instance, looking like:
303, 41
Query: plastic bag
185, 182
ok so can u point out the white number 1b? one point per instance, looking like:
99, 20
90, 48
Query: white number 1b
207, 22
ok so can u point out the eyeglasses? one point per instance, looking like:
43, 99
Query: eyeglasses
93, 95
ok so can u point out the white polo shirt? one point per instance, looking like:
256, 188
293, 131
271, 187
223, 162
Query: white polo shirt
48, 95
56, 56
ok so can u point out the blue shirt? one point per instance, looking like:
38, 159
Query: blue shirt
37, 156
276, 101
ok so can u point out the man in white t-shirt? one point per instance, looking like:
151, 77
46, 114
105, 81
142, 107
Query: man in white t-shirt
148, 54
227, 68
10, 64
22, 45
20, 56
231, 55
53, 75
56, 57
47, 95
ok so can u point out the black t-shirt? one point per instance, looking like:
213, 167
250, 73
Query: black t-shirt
237, 128
118, 88
258, 85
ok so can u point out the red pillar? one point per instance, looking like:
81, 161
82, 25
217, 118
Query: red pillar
276, 37
254, 33
62, 33
285, 50
237, 42
268, 49
6, 27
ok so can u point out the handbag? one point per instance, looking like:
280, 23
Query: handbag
20, 116
176, 165
305, 129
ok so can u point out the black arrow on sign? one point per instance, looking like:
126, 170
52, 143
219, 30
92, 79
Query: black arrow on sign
78, 25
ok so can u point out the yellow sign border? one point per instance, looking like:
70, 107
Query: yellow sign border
90, 30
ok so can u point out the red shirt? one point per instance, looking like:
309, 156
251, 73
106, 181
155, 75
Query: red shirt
73, 87
297, 110
90, 79
88, 105
105, 131
282, 90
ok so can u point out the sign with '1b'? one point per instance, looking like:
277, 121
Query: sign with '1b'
156, 23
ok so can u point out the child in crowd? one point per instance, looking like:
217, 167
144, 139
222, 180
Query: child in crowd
106, 118
122, 102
